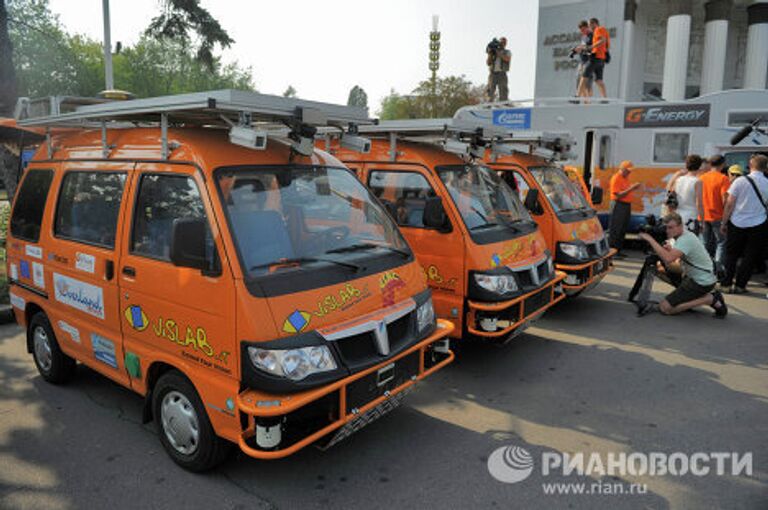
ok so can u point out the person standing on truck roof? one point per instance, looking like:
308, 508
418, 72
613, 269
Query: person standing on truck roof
601, 44
688, 190
621, 209
714, 187
745, 223
498, 66
583, 85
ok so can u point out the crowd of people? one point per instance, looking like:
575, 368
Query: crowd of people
716, 221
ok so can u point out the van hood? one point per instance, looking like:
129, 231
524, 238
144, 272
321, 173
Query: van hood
588, 231
520, 251
325, 306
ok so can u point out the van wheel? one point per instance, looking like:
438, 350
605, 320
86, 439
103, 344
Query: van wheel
183, 424
55, 366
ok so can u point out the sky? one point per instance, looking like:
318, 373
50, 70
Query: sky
325, 48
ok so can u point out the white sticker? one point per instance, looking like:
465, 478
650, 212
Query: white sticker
18, 301
38, 275
70, 330
80, 295
104, 350
34, 251
85, 262
14, 272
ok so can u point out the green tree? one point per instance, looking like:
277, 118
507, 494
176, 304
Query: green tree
181, 18
452, 92
289, 92
7, 72
357, 97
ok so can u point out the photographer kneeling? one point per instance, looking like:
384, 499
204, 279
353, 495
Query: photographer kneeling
684, 253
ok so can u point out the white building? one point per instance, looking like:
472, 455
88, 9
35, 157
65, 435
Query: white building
674, 49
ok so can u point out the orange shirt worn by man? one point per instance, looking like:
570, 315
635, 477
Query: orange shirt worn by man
714, 187
621, 211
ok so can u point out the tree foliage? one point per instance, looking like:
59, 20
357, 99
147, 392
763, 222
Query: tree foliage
357, 97
450, 94
7, 72
181, 18
289, 92
49, 61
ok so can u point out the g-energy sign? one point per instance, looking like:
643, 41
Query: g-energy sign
688, 115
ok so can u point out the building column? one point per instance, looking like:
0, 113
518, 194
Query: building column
627, 47
715, 45
676, 50
756, 67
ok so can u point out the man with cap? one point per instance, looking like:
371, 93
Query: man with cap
621, 208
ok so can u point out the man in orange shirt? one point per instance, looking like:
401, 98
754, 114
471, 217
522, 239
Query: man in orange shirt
601, 44
714, 184
621, 209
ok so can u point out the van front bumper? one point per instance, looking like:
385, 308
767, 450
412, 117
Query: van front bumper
582, 277
343, 406
505, 319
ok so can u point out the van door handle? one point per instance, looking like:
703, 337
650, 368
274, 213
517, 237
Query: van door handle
109, 270
129, 271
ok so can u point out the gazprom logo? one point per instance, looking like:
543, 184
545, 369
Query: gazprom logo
515, 118
510, 464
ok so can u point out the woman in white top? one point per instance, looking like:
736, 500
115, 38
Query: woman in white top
687, 186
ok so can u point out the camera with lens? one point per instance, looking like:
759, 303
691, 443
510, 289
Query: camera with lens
493, 46
654, 228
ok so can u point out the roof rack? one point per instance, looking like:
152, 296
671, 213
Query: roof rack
467, 133
243, 112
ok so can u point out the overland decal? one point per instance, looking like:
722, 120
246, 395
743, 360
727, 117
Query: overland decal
682, 115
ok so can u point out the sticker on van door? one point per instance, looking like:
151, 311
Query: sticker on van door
70, 330
104, 350
18, 301
14, 272
24, 266
85, 262
79, 295
34, 251
38, 275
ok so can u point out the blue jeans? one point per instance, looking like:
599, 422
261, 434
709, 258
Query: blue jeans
714, 241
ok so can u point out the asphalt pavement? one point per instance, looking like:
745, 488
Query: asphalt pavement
589, 377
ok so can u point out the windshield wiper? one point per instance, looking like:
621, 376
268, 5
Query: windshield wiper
484, 226
367, 246
301, 260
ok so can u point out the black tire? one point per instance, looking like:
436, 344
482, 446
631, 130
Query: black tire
54, 366
208, 450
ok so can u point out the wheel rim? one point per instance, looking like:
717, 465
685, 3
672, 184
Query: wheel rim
180, 423
42, 348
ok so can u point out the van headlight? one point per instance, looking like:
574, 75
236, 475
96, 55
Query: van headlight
425, 315
294, 364
576, 251
497, 283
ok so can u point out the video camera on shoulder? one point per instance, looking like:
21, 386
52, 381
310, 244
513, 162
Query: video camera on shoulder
493, 46
654, 228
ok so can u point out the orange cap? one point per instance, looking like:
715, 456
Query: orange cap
626, 164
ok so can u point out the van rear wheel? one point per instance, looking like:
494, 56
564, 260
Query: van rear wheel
54, 366
183, 425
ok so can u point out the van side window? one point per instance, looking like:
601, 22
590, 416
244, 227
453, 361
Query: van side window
30, 204
162, 199
89, 204
670, 147
604, 160
404, 193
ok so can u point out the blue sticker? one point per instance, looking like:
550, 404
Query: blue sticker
104, 350
24, 268
513, 118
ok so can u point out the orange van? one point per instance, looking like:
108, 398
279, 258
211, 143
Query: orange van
565, 215
482, 254
250, 288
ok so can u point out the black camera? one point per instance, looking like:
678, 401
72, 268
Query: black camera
654, 228
493, 46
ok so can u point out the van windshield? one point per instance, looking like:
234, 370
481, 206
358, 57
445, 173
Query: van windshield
293, 217
560, 191
482, 198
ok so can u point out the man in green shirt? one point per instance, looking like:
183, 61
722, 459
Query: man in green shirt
698, 282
